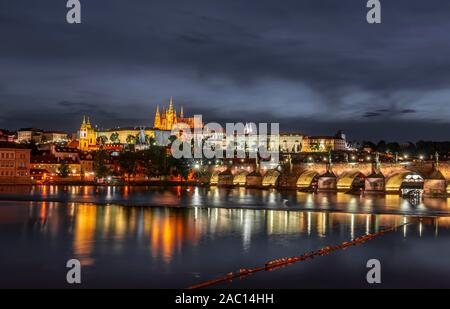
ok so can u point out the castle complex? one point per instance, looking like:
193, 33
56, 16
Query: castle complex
90, 138
166, 119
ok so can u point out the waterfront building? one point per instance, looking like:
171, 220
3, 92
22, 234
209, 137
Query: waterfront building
87, 164
48, 166
14, 164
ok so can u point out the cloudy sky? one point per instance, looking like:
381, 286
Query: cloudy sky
314, 66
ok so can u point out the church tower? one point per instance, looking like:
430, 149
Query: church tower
157, 122
87, 136
171, 116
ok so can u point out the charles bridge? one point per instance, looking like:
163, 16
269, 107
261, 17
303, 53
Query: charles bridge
430, 178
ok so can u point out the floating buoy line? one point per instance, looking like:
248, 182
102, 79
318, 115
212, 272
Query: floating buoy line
282, 262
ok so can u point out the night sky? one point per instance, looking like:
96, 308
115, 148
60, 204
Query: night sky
315, 66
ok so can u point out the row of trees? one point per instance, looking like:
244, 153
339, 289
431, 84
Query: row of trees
131, 139
425, 148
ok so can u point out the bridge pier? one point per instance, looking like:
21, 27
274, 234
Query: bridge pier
287, 181
327, 182
254, 180
375, 184
225, 179
435, 185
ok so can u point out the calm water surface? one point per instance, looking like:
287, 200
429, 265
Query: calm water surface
172, 238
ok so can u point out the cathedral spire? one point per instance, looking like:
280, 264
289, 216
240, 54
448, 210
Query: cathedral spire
171, 105
157, 122
181, 112
84, 119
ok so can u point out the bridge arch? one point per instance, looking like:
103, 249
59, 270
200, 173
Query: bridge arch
270, 178
214, 180
306, 179
240, 178
350, 180
398, 181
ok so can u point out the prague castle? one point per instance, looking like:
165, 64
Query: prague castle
90, 138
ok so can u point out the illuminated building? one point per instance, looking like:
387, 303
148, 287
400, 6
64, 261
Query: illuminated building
29, 135
325, 143
14, 164
6, 136
87, 137
166, 119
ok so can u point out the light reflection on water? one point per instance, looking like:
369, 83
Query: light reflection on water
177, 246
227, 198
166, 230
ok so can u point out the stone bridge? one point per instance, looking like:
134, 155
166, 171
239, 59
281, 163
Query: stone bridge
341, 176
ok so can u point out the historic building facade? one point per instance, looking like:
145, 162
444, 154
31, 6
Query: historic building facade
87, 139
14, 164
325, 143
166, 119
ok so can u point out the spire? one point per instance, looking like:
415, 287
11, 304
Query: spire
84, 119
171, 105
181, 112
157, 121
88, 121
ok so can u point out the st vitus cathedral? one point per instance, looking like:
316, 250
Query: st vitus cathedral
166, 119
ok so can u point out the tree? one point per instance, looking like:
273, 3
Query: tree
128, 164
101, 170
102, 140
393, 147
131, 139
155, 161
150, 140
63, 169
114, 137
382, 147
172, 139
181, 168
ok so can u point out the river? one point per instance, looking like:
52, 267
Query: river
146, 237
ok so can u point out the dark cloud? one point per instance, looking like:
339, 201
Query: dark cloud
372, 114
314, 60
